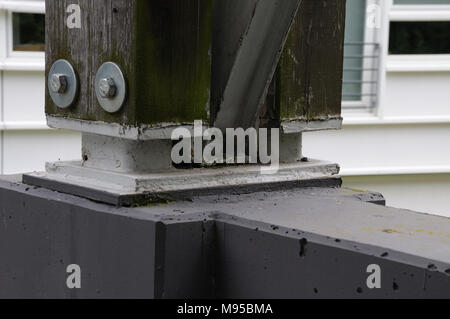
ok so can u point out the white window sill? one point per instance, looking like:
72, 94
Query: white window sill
24, 126
418, 63
23, 6
366, 118
420, 13
23, 64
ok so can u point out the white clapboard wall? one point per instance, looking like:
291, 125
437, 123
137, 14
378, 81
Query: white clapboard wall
26, 142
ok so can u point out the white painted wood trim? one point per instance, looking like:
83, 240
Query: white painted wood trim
386, 6
22, 64
418, 63
420, 13
24, 126
23, 6
3, 36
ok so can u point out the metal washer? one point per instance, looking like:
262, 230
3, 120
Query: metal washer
111, 70
66, 99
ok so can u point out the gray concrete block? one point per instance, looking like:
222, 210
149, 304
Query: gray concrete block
291, 243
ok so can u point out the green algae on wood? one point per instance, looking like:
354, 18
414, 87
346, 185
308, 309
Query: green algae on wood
162, 46
308, 83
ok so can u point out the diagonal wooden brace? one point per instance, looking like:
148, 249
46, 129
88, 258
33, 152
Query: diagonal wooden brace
249, 39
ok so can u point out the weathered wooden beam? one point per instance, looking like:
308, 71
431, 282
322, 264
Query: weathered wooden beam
184, 62
306, 92
162, 46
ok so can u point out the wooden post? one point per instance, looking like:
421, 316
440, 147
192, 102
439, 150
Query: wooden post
162, 46
167, 48
306, 92
219, 61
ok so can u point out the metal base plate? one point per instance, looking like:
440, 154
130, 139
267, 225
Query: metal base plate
137, 189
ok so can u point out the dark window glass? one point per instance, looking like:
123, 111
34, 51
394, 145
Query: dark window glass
420, 38
28, 32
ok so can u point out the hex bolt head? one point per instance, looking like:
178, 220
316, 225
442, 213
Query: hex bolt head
110, 87
107, 88
58, 83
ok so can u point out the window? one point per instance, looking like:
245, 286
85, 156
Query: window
419, 35
408, 36
415, 33
28, 32
361, 57
22, 35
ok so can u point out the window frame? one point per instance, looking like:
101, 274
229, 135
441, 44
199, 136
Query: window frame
418, 62
18, 60
401, 64
16, 53
368, 104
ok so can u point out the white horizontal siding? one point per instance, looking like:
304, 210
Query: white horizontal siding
28, 151
384, 149
423, 193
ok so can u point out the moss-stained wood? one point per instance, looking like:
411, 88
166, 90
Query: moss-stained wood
173, 60
308, 82
163, 47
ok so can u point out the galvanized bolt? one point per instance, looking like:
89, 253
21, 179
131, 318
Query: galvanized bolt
107, 88
58, 83
110, 87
